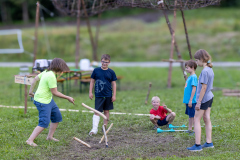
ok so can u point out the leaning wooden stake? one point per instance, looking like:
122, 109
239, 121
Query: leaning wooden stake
149, 89
175, 44
171, 52
36, 33
80, 141
106, 133
232, 94
95, 111
78, 36
90, 31
186, 33
230, 91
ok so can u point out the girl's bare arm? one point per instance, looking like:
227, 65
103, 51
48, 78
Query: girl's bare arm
202, 92
35, 80
59, 94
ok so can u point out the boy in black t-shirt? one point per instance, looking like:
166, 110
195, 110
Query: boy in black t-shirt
104, 79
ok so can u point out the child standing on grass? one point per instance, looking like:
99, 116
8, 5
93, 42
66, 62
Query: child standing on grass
204, 100
189, 97
47, 108
158, 114
104, 79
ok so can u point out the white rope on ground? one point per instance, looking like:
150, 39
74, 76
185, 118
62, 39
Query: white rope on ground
72, 110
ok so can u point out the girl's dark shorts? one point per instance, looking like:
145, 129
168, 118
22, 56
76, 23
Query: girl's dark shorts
48, 112
103, 103
204, 106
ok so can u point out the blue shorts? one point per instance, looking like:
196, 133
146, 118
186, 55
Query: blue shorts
47, 112
162, 122
190, 111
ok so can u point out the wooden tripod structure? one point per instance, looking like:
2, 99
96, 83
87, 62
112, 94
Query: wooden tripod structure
91, 7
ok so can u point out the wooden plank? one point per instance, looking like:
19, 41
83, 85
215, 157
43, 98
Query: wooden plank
173, 60
230, 91
232, 94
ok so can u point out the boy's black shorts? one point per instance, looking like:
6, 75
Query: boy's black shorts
103, 103
204, 106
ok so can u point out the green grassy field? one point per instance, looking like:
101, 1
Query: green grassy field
132, 136
213, 29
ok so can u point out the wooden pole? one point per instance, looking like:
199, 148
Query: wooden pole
77, 40
80, 141
90, 32
172, 60
175, 43
78, 36
97, 35
98, 30
106, 132
171, 52
186, 33
105, 135
149, 88
36, 33
95, 111
25, 99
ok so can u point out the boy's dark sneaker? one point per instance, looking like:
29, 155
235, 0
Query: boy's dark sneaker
208, 145
155, 127
195, 148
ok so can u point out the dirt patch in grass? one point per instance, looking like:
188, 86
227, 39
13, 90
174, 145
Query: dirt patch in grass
125, 143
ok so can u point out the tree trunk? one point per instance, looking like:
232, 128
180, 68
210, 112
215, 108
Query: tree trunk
25, 12
4, 13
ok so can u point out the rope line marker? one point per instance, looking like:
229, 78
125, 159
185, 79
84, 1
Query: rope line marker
72, 110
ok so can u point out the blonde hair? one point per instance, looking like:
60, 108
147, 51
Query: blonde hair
156, 98
204, 56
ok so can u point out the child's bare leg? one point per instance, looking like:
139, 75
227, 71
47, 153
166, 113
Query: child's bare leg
52, 129
34, 134
106, 113
190, 124
171, 117
208, 125
197, 125
154, 121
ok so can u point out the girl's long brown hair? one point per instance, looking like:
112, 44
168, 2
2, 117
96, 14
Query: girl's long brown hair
204, 56
58, 65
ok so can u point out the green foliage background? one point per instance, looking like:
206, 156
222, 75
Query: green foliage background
213, 29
